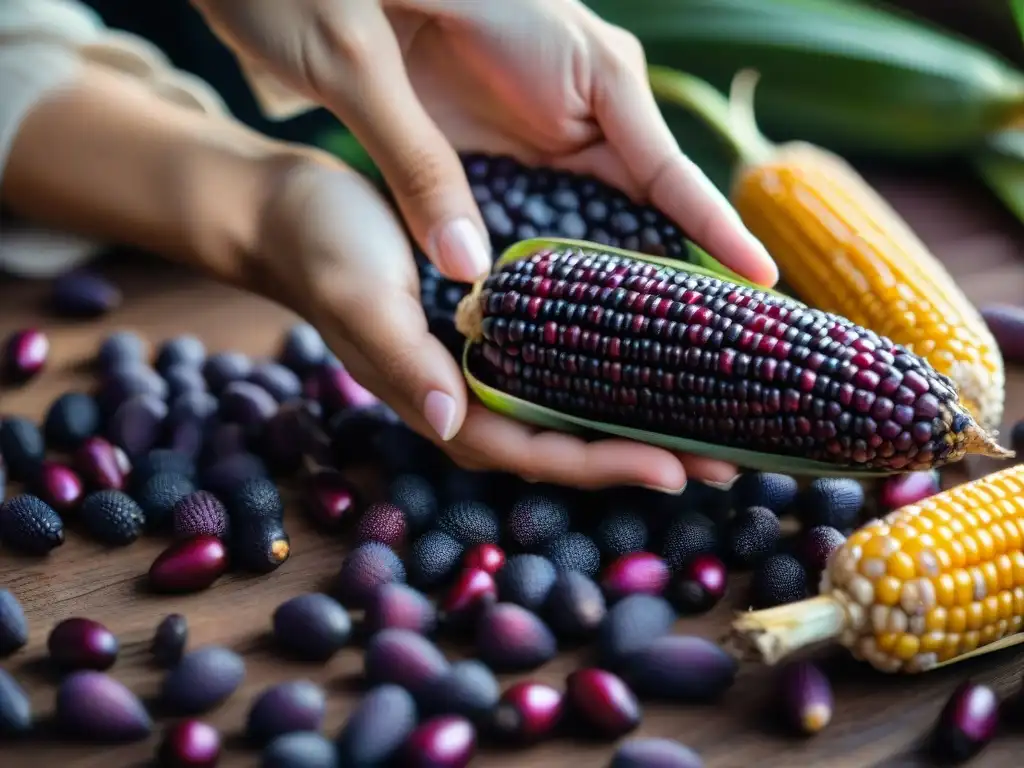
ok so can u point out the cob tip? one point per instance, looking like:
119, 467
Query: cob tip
770, 635
469, 314
979, 442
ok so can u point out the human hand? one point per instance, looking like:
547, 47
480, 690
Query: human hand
544, 80
332, 249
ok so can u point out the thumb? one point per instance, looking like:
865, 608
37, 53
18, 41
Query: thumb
422, 381
357, 68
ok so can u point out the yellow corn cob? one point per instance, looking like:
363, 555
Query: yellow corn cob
842, 248
927, 585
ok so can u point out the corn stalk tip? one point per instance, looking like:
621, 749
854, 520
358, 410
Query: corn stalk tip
469, 314
983, 443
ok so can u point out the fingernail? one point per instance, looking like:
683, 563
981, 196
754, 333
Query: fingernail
669, 491
439, 411
460, 251
722, 486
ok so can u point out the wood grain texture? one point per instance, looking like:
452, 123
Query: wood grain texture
879, 720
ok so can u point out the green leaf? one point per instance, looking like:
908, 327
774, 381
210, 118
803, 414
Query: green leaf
1000, 165
547, 418
346, 147
1017, 8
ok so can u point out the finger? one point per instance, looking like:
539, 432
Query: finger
553, 457
720, 474
389, 332
358, 71
628, 113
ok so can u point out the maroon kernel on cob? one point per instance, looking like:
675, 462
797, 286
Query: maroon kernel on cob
624, 341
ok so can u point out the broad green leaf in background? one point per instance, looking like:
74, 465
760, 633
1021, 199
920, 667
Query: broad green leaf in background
1001, 167
1017, 7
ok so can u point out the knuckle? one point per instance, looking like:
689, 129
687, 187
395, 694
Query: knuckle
351, 44
625, 51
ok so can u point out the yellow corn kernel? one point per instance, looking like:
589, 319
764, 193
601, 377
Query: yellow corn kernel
840, 246
926, 607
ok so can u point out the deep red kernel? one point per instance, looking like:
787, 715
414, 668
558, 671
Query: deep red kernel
446, 741
79, 643
59, 486
967, 723
473, 590
24, 355
382, 522
189, 565
330, 499
635, 573
903, 490
485, 557
528, 711
189, 744
102, 465
602, 702
700, 584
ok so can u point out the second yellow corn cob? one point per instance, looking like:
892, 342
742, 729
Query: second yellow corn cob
842, 248
927, 585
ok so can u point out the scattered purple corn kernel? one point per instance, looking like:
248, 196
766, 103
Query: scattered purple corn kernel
103, 466
202, 679
364, 569
817, 545
434, 559
137, 424
186, 350
511, 638
469, 688
79, 643
1006, 322
602, 702
120, 349
835, 501
222, 368
527, 712
967, 723
312, 626
189, 565
248, 404
472, 591
59, 486
30, 525
399, 606
699, 585
159, 495
22, 447
13, 626
300, 750
416, 497
689, 535
526, 580
162, 461
536, 519
575, 606
765, 489
337, 390
903, 490
290, 435
445, 741
631, 625
224, 440
637, 572
753, 535
200, 514
405, 658
302, 349
184, 380
382, 522
82, 293
279, 380
24, 355
70, 420
189, 744
655, 753
805, 697
680, 668
487, 557
227, 474
378, 727
169, 640
296, 705
122, 384
330, 499
93, 706
15, 707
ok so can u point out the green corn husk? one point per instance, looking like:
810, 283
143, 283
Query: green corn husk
1000, 165
548, 418
842, 74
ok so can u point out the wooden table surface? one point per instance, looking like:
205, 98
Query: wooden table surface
879, 720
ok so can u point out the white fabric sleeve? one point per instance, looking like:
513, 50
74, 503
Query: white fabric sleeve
43, 47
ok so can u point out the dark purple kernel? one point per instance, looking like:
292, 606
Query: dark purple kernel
84, 294
94, 707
